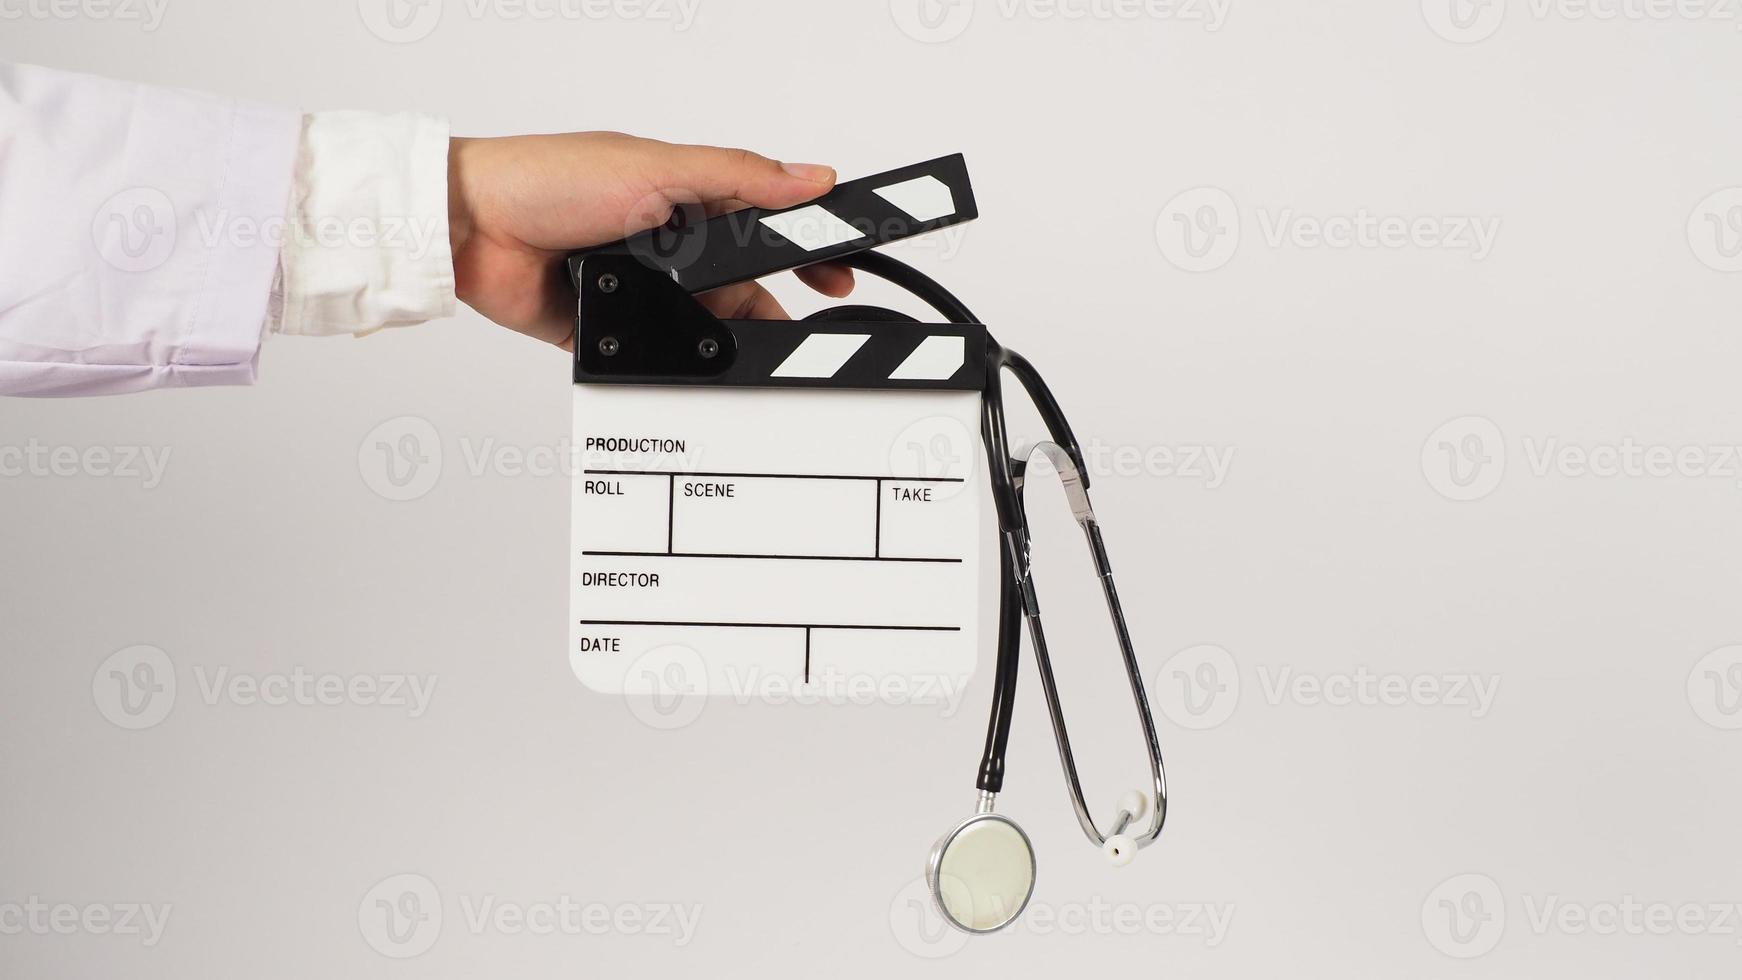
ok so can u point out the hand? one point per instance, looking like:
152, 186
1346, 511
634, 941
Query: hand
518, 205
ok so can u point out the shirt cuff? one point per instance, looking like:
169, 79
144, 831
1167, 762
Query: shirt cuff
367, 236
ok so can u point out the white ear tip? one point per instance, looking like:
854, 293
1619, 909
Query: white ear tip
1135, 801
1120, 849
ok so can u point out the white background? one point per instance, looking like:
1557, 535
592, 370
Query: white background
1604, 770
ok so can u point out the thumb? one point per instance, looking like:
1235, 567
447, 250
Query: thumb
700, 174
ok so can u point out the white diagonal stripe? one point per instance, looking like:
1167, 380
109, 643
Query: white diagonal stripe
925, 198
935, 359
811, 228
821, 355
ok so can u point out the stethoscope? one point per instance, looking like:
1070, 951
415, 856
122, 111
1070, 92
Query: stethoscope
982, 873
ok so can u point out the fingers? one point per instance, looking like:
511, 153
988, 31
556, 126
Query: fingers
741, 301
713, 173
744, 301
753, 301
715, 208
827, 278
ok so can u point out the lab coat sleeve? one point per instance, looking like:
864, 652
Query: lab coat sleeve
150, 237
135, 233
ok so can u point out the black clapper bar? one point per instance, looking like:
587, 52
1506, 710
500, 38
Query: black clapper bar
639, 322
856, 215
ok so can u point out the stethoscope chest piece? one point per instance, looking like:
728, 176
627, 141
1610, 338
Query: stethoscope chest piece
981, 873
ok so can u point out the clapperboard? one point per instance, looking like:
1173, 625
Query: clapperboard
770, 504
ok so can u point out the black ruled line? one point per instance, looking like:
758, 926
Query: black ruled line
770, 626
703, 554
877, 546
776, 476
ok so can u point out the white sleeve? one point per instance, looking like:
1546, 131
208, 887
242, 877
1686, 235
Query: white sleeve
135, 233
367, 245
149, 236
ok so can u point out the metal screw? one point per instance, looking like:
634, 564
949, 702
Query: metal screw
607, 283
708, 348
608, 346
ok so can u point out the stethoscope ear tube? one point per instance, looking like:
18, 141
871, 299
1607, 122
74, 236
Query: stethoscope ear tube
1130, 808
1017, 601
